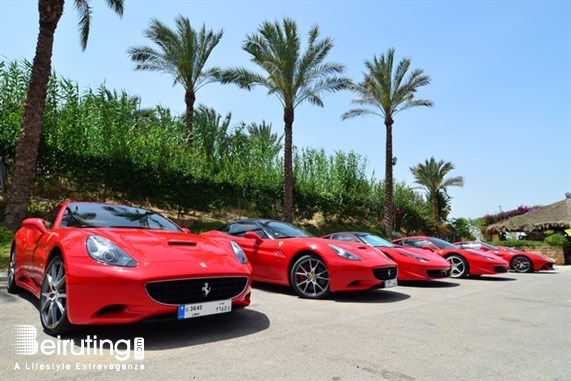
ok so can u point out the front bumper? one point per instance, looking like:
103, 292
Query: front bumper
102, 294
348, 275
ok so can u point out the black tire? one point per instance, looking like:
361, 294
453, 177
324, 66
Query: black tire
459, 267
11, 286
53, 299
309, 277
521, 264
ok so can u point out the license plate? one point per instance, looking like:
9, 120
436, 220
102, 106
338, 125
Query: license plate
390, 283
186, 311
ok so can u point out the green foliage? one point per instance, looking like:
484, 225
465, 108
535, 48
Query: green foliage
518, 243
100, 145
6, 237
431, 176
14, 78
556, 240
460, 229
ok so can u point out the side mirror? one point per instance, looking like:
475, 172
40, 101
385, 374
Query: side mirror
253, 235
185, 230
428, 248
35, 223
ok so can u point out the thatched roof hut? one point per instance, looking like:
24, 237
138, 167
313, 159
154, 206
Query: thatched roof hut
556, 216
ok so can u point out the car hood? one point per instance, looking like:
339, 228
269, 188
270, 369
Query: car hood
162, 246
478, 253
362, 250
427, 255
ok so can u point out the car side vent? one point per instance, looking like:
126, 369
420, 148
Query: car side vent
181, 243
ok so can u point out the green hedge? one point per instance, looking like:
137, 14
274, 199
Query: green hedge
524, 243
103, 144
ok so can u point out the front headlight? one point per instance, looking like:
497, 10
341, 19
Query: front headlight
106, 252
239, 253
344, 253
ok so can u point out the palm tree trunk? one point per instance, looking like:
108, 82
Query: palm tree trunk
20, 190
189, 99
435, 212
288, 166
388, 218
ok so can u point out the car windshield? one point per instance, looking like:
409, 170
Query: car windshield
478, 245
284, 230
375, 241
114, 216
491, 247
442, 244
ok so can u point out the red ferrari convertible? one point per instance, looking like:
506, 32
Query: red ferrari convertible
414, 264
94, 263
520, 261
284, 254
464, 262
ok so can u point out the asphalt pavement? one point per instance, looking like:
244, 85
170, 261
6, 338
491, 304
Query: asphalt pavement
504, 327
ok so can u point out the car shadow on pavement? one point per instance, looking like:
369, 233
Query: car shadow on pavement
428, 284
270, 287
486, 278
166, 334
377, 295
170, 334
369, 296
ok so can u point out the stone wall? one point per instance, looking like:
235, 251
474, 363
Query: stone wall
557, 253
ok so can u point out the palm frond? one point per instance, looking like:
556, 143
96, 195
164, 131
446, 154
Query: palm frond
84, 24
356, 112
116, 6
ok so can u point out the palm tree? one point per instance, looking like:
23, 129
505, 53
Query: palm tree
263, 132
385, 91
50, 12
430, 176
291, 75
181, 53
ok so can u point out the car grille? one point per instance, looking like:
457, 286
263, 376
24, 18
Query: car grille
500, 269
385, 273
438, 273
194, 290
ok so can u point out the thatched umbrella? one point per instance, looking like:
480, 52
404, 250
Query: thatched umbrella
556, 216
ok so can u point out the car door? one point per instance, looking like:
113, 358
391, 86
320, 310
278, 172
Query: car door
43, 243
252, 247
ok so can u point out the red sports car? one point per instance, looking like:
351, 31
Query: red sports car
520, 261
284, 254
464, 262
414, 264
92, 263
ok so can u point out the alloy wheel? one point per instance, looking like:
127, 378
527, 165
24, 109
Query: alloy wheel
310, 277
53, 300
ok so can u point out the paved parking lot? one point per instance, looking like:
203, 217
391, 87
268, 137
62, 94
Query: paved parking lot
505, 327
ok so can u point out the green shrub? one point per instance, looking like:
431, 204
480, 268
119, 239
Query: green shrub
518, 243
5, 242
556, 240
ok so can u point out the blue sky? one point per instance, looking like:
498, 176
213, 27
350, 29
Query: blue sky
501, 81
